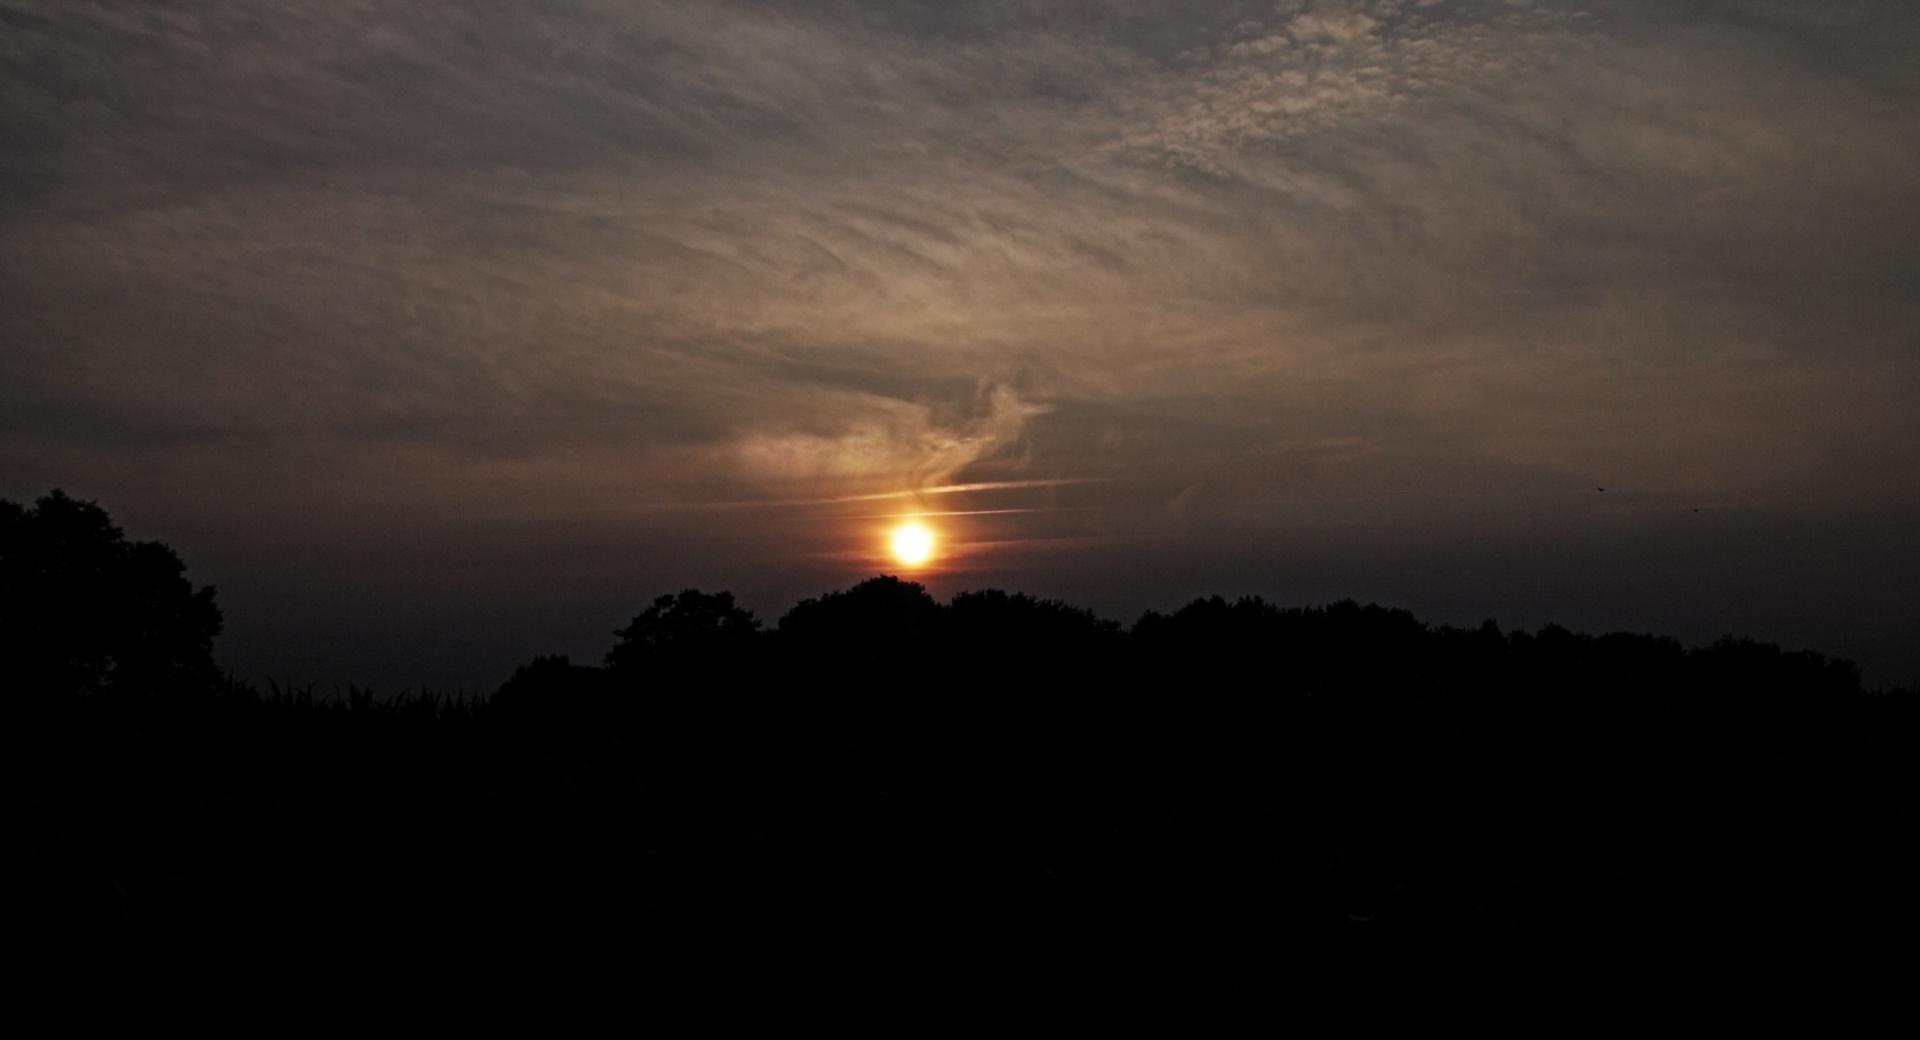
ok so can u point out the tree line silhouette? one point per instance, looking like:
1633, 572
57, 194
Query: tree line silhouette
1232, 797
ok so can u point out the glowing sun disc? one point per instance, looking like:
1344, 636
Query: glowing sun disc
912, 543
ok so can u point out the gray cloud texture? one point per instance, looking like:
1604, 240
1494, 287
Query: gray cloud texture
1408, 264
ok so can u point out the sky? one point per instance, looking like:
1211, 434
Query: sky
441, 335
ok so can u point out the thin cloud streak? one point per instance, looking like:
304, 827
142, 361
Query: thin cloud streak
955, 489
960, 512
881, 496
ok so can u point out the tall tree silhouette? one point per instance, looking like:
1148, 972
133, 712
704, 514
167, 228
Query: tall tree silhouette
84, 610
690, 626
881, 623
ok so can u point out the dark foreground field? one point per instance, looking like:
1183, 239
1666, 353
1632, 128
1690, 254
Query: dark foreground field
886, 794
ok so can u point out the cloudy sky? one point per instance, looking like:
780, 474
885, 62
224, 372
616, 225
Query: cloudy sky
439, 335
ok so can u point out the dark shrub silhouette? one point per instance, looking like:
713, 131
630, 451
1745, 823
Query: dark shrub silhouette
551, 687
84, 610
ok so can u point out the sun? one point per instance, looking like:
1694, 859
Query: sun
912, 543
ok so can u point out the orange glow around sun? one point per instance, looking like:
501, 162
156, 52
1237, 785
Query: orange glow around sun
912, 543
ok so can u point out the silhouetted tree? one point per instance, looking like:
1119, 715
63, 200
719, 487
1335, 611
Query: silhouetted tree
690, 626
1028, 660
82, 609
882, 620
1017, 628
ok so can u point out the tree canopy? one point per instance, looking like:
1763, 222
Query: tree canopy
85, 610
689, 625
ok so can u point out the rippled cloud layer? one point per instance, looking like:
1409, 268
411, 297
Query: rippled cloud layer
1177, 271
